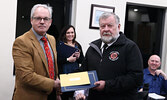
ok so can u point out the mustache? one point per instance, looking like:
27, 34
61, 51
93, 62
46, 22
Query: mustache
107, 33
41, 26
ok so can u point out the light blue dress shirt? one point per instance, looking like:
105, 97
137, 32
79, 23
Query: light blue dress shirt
42, 44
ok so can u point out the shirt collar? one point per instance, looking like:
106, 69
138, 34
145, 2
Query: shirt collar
147, 71
37, 35
109, 44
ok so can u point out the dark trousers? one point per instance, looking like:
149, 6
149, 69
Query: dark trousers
52, 96
67, 95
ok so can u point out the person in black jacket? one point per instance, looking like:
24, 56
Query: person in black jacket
116, 59
71, 62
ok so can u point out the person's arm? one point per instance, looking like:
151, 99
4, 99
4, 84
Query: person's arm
58, 89
160, 72
72, 58
163, 90
61, 60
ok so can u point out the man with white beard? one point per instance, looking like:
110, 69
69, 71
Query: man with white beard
118, 63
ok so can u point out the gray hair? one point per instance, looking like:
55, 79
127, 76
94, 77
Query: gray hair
105, 15
41, 5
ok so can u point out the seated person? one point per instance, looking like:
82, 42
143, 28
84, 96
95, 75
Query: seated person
155, 78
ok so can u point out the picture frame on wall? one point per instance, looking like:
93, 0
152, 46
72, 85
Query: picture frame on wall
96, 11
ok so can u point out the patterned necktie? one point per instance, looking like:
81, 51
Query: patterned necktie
49, 58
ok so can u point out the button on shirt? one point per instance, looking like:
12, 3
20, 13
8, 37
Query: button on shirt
157, 84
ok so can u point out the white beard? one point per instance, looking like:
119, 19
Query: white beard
108, 39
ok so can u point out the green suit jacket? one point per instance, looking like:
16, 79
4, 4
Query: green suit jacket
31, 68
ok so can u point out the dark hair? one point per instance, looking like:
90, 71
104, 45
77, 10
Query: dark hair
62, 36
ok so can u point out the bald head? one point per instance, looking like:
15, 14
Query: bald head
154, 62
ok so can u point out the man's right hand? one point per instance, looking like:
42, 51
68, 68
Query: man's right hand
57, 86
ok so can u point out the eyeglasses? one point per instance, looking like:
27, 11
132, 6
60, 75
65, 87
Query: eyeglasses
39, 19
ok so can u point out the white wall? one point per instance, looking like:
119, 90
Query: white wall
164, 49
7, 25
80, 20
82, 17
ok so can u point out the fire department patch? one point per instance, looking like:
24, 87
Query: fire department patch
114, 55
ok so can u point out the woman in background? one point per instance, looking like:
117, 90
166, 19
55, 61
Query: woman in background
71, 63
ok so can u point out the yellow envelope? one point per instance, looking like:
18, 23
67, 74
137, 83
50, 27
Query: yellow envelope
72, 79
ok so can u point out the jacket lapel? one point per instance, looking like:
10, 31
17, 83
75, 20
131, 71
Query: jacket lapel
37, 45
